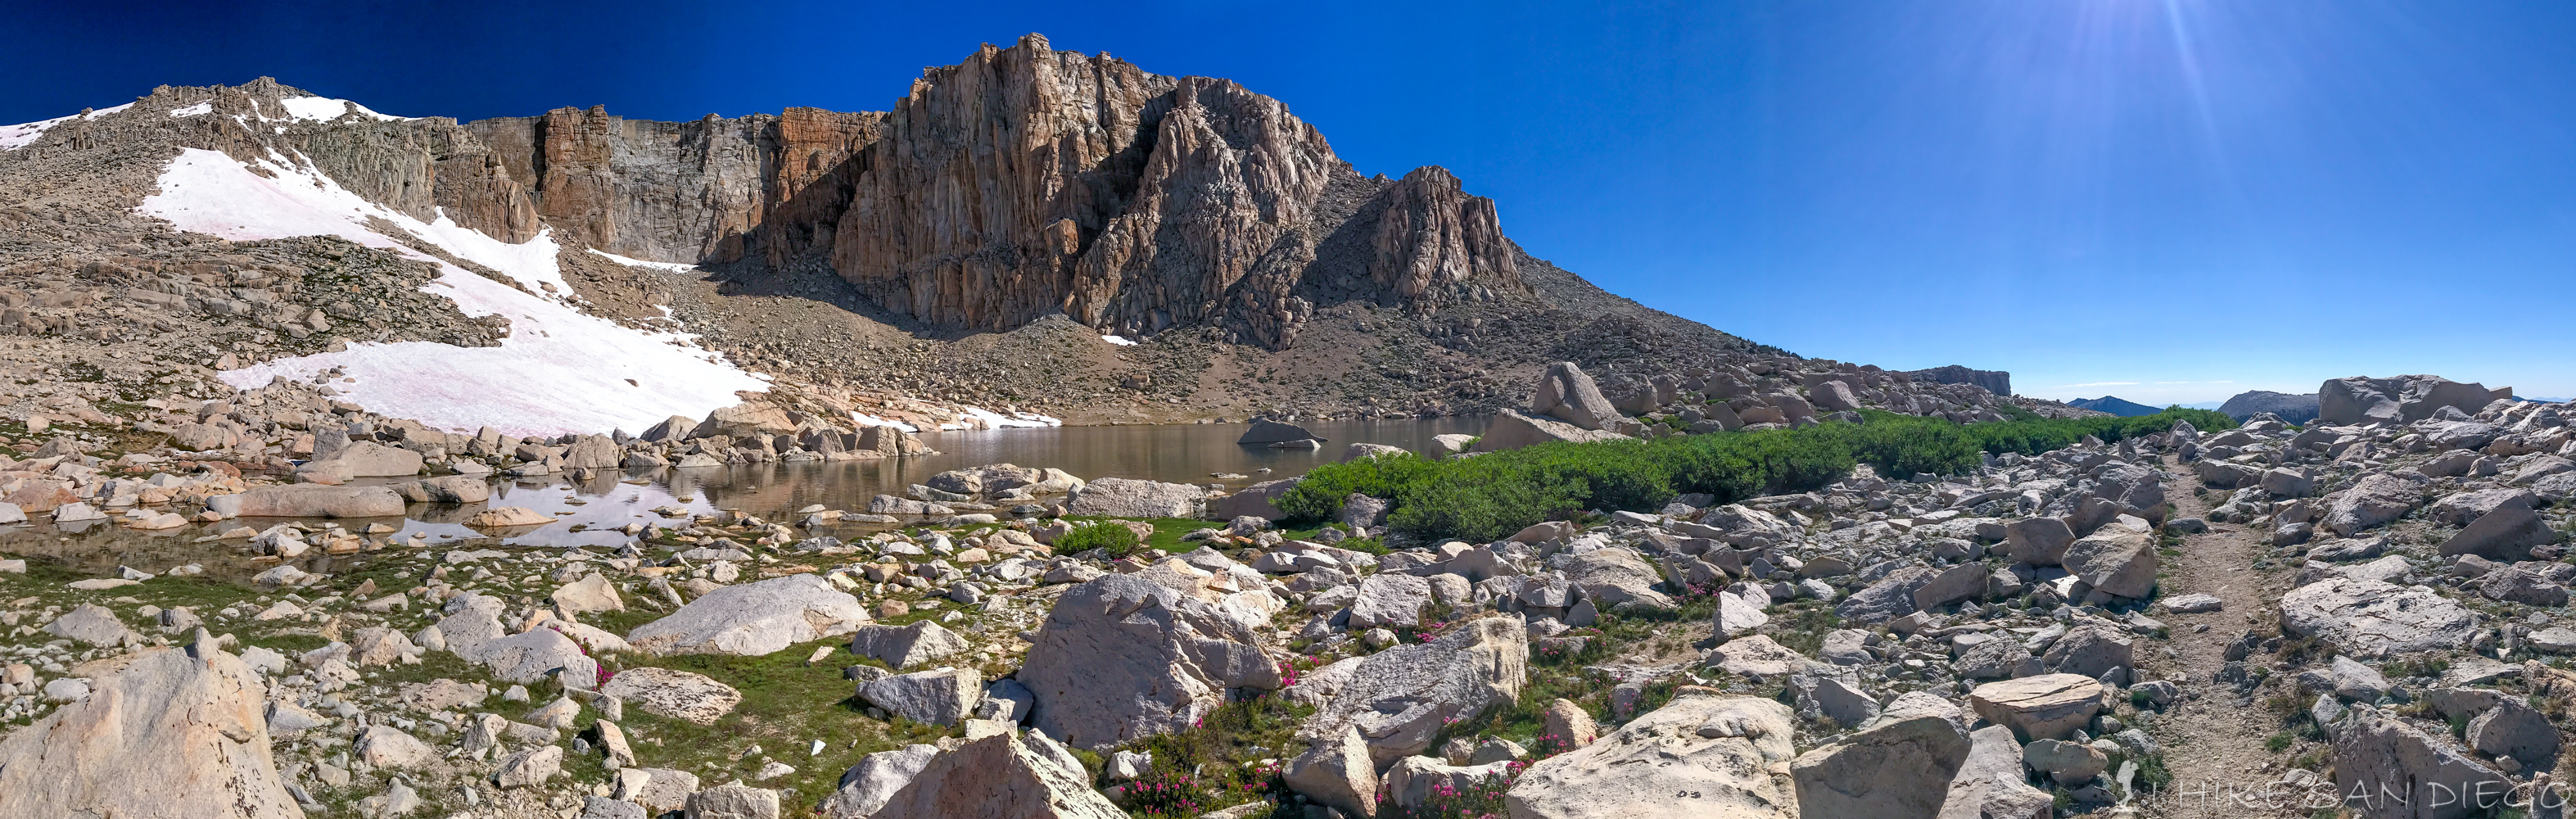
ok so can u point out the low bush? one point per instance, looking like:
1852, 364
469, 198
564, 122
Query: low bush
1493, 495
1115, 538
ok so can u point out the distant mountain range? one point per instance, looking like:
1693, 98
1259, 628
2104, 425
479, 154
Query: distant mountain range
2115, 406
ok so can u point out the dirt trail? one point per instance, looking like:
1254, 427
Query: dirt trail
2213, 739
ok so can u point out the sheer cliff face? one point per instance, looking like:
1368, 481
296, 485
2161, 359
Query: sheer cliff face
680, 191
1027, 181
1022, 182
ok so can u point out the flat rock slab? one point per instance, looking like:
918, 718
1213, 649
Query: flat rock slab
675, 694
754, 619
2371, 619
2047, 706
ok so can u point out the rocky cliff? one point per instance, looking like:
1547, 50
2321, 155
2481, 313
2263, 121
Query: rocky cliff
1021, 183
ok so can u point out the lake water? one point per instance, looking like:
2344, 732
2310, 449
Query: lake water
1176, 453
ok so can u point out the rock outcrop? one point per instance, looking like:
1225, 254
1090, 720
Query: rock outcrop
1704, 754
1122, 657
163, 732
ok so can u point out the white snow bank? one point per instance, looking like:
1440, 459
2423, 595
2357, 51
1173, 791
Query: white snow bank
1121, 341
325, 109
559, 371
667, 267
981, 418
13, 137
866, 420
197, 110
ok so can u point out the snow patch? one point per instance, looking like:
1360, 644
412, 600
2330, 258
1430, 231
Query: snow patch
866, 420
666, 267
1121, 341
197, 110
981, 418
559, 371
13, 137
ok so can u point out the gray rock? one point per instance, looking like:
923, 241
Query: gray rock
937, 697
673, 693
2048, 706
2515, 730
93, 625
1512, 430
733, 802
1390, 600
915, 643
1704, 754
2372, 619
2090, 650
1996, 659
866, 787
1833, 699
310, 500
1889, 598
1266, 431
1400, 698
2115, 561
1121, 657
754, 619
201, 719
2038, 541
2409, 773
999, 776
1566, 394
1960, 582
1124, 498
2506, 533
1894, 769
2376, 499
2068, 763
1990, 785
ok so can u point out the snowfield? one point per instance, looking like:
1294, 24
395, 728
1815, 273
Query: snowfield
559, 371
13, 137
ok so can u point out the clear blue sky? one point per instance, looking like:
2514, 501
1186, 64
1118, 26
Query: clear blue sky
2166, 201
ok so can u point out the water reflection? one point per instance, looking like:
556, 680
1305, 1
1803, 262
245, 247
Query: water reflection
588, 511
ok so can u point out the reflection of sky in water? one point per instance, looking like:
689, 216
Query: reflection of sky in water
1175, 453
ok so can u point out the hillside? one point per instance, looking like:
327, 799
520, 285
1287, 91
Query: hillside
1030, 236
2114, 405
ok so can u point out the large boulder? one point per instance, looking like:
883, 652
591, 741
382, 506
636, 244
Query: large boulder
2090, 650
1122, 657
1336, 771
593, 452
915, 643
1990, 783
1614, 578
866, 787
2376, 499
2372, 619
446, 489
2047, 706
1124, 498
2038, 541
1260, 500
1889, 598
1895, 769
2398, 772
943, 696
1401, 697
1705, 755
164, 732
1568, 395
999, 777
1512, 430
753, 619
1390, 600
2116, 560
2404, 399
368, 459
2505, 533
745, 420
310, 500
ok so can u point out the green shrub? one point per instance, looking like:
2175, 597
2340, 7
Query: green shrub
1493, 495
1115, 538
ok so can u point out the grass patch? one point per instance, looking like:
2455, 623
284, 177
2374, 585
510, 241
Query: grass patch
1493, 495
786, 706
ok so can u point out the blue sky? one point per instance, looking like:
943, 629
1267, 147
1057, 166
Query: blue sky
2166, 200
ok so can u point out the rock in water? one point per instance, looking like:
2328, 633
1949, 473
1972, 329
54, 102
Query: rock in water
307, 500
1122, 657
1266, 431
163, 733
754, 619
1896, 769
1704, 754
999, 777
